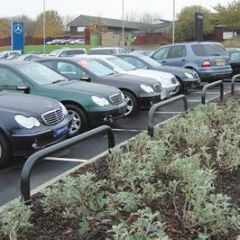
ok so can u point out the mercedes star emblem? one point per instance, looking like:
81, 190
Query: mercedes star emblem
18, 28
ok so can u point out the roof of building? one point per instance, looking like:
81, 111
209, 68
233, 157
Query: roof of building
85, 20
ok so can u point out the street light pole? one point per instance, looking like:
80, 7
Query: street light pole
123, 24
173, 24
44, 27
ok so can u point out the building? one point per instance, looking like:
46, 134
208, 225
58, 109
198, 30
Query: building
103, 30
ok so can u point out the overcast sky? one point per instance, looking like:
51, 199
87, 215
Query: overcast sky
101, 8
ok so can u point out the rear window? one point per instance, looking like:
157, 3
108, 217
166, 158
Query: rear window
204, 50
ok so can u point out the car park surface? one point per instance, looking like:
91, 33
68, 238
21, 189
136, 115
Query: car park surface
186, 77
139, 92
209, 59
87, 103
25, 129
123, 129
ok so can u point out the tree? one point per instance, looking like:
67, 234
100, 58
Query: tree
229, 15
185, 25
5, 27
145, 21
54, 25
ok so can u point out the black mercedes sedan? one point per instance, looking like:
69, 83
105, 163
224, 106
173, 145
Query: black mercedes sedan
29, 123
186, 77
139, 92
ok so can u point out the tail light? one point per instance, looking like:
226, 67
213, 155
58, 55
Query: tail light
206, 63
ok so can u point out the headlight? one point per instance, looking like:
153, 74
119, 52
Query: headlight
100, 101
189, 75
65, 112
27, 122
146, 88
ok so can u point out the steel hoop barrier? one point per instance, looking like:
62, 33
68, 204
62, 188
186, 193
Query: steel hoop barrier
233, 83
161, 104
39, 155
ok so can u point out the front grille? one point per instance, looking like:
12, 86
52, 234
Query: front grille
53, 117
158, 87
116, 98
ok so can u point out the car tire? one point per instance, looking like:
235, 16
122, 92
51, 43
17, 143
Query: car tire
5, 157
132, 103
79, 122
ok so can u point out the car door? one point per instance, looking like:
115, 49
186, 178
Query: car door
175, 55
160, 55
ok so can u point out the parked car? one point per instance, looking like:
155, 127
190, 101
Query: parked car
170, 85
186, 77
139, 92
209, 59
106, 51
87, 103
25, 128
67, 52
9, 54
234, 54
145, 52
77, 41
28, 57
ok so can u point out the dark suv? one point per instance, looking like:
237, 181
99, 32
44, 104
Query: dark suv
209, 59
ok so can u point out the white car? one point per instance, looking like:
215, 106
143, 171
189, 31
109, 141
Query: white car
170, 84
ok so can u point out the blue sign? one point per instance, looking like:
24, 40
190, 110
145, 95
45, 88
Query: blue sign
17, 36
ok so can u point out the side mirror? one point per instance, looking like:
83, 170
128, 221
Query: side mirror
23, 88
85, 78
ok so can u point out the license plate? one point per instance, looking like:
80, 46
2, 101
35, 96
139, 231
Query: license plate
60, 131
219, 62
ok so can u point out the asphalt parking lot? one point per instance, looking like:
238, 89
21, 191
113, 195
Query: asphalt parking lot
123, 129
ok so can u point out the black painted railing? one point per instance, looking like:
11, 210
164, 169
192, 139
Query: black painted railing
210, 85
233, 83
41, 154
161, 104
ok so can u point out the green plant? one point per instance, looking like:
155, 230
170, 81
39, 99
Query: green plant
144, 225
15, 219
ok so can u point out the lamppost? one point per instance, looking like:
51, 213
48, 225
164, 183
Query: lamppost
122, 24
44, 27
173, 23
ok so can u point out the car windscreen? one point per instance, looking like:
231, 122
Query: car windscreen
55, 52
40, 74
95, 67
204, 50
124, 65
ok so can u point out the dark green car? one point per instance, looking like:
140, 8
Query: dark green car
88, 104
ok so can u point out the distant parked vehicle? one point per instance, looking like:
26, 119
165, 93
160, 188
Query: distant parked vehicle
140, 93
186, 77
9, 54
77, 41
106, 51
209, 59
145, 52
67, 52
29, 123
234, 54
28, 57
88, 104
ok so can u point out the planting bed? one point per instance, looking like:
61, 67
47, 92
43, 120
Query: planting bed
182, 184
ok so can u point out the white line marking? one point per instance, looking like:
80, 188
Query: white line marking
126, 130
65, 159
168, 112
194, 100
